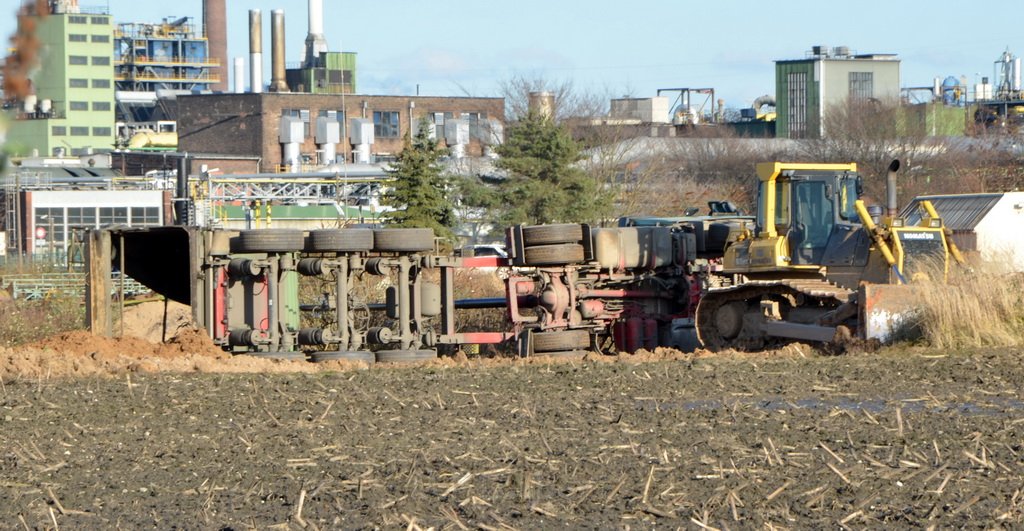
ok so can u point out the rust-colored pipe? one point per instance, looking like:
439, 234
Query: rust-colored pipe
277, 74
215, 26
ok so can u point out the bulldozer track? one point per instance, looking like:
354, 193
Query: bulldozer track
820, 291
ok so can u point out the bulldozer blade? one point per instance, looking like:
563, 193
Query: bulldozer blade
888, 312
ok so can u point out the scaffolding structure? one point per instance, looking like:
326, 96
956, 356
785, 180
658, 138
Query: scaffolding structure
167, 56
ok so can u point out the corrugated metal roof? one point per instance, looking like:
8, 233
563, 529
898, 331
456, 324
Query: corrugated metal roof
958, 212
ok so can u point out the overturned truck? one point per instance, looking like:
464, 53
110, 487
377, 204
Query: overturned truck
814, 264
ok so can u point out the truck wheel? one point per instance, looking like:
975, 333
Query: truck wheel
341, 240
558, 233
558, 254
565, 354
268, 241
352, 355
560, 341
406, 356
403, 240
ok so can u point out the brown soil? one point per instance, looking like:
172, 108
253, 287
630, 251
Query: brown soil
125, 433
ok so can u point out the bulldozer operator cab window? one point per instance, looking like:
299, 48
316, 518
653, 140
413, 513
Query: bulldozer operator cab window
813, 219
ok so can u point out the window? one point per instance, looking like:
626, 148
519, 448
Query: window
862, 85
78, 60
100, 131
78, 106
78, 83
100, 60
385, 124
797, 96
145, 216
77, 37
82, 217
77, 19
79, 131
101, 105
52, 221
101, 83
59, 130
101, 20
100, 38
112, 215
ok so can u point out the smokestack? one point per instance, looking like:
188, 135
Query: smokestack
277, 81
316, 44
891, 203
255, 51
215, 27
239, 75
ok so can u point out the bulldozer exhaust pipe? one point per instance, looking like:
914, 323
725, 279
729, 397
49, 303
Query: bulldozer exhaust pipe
892, 206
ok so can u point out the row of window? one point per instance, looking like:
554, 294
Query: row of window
77, 82
81, 37
53, 219
84, 106
62, 130
385, 123
82, 19
97, 60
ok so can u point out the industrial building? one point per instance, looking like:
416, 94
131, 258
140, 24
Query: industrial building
291, 130
46, 200
71, 109
171, 55
806, 88
979, 223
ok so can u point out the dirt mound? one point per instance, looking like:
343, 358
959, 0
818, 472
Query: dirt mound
190, 349
146, 320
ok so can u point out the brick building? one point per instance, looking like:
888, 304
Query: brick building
251, 124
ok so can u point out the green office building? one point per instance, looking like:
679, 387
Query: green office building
72, 109
806, 88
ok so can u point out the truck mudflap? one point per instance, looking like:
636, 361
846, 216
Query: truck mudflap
888, 312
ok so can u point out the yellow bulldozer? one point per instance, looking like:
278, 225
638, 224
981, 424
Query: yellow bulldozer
818, 265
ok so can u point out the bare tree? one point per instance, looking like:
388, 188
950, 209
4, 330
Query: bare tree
569, 102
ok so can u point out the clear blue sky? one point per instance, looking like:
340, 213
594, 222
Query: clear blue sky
467, 47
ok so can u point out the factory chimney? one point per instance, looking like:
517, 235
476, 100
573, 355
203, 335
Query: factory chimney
316, 44
215, 27
238, 76
255, 51
277, 71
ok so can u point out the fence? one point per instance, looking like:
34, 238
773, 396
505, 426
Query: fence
35, 286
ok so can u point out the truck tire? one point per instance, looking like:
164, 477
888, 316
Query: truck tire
403, 240
558, 233
406, 356
353, 355
268, 241
341, 240
558, 254
561, 341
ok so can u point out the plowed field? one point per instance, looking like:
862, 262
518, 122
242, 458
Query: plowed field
792, 439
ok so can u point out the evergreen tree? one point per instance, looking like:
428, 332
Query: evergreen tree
419, 191
543, 184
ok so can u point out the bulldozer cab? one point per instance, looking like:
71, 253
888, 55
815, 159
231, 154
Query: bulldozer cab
805, 207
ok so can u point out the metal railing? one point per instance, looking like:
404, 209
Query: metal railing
37, 286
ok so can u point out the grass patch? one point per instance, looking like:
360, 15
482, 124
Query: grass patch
983, 307
23, 321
